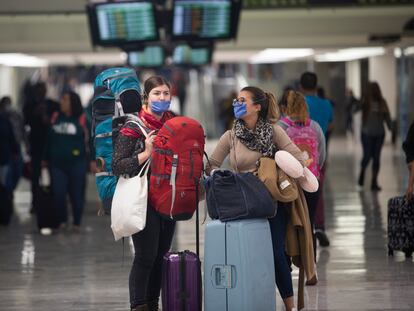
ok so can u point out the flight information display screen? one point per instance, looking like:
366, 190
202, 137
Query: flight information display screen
264, 4
203, 19
123, 22
151, 56
185, 55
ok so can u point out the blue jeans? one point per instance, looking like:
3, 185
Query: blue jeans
283, 275
69, 180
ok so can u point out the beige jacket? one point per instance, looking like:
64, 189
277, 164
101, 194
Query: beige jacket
243, 159
299, 244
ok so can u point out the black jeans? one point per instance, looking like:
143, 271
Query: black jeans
372, 146
312, 202
150, 246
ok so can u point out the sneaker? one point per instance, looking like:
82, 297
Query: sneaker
46, 231
322, 238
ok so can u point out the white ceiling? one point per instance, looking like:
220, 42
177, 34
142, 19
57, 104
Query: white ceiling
25, 28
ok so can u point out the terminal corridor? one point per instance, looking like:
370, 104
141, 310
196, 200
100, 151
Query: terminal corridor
89, 271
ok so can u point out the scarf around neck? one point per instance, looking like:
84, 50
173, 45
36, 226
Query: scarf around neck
151, 122
260, 139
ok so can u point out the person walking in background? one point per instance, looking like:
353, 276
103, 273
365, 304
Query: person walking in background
321, 111
254, 135
131, 151
375, 113
37, 111
309, 137
66, 156
352, 105
16, 120
226, 111
9, 150
320, 92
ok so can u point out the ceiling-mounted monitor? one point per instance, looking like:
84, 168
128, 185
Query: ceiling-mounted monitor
205, 19
185, 55
120, 23
149, 57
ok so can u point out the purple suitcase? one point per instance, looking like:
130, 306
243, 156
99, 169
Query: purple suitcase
181, 278
181, 282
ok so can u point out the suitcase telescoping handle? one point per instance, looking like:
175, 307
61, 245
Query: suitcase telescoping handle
197, 219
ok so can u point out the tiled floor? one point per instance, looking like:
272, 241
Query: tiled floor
89, 271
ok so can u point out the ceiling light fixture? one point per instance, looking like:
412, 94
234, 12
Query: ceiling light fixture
21, 60
350, 54
270, 56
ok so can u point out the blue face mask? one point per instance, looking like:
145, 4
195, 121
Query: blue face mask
239, 109
160, 107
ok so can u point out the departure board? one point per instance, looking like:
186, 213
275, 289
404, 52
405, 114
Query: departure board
126, 21
264, 4
185, 55
151, 56
203, 19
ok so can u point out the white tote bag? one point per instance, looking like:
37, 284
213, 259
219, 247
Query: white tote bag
129, 204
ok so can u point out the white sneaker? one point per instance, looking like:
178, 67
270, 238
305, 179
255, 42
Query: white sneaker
45, 231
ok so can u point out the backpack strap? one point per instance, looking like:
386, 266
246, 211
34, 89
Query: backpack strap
287, 121
141, 127
119, 111
172, 181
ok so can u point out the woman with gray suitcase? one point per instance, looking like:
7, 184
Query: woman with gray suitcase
253, 136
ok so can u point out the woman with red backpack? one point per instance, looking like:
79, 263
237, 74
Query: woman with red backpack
131, 151
309, 137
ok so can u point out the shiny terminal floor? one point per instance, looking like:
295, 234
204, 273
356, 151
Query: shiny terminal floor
89, 271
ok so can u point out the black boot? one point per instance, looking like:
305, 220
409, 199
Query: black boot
153, 305
361, 178
374, 183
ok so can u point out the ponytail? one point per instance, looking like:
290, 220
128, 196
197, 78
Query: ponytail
273, 112
296, 106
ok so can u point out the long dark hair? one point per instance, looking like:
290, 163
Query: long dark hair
373, 94
153, 82
76, 108
270, 110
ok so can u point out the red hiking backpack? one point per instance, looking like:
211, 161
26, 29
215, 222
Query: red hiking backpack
176, 168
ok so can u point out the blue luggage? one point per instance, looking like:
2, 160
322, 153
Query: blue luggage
239, 272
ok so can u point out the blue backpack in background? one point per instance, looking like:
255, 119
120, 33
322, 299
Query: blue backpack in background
116, 92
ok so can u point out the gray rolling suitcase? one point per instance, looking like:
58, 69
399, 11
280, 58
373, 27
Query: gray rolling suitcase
238, 266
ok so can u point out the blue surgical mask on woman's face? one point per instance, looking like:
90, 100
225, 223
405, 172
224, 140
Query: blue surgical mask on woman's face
160, 107
239, 109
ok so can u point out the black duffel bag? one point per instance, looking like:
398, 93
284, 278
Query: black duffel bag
232, 196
